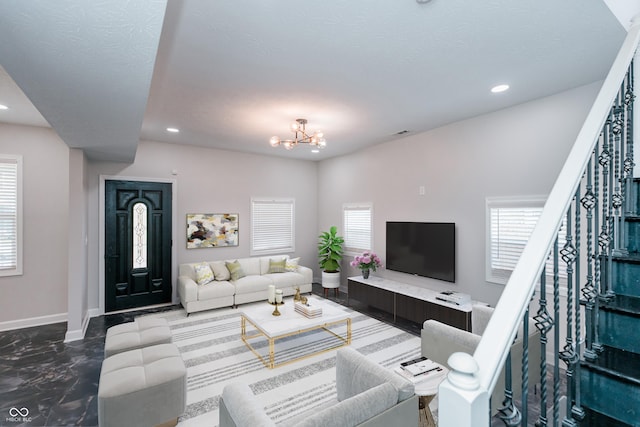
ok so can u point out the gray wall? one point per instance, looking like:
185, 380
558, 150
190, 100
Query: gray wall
41, 292
517, 151
213, 181
513, 152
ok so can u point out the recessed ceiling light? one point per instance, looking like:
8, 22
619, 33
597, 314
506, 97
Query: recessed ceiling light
3, 107
499, 88
315, 151
174, 130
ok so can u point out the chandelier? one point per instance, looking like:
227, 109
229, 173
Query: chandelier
300, 137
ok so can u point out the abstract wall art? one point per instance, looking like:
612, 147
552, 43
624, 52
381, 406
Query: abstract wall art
212, 230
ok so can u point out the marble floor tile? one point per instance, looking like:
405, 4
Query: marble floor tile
57, 382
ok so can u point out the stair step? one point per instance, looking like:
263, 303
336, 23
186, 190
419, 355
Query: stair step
617, 363
626, 273
619, 328
632, 233
623, 303
594, 418
607, 388
632, 258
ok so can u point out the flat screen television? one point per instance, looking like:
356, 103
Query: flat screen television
425, 249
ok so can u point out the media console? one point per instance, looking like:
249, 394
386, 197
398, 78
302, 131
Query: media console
408, 301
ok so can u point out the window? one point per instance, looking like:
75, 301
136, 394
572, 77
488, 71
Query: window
272, 226
357, 227
139, 235
10, 215
509, 225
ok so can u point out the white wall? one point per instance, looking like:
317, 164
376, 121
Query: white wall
213, 181
516, 151
40, 294
78, 318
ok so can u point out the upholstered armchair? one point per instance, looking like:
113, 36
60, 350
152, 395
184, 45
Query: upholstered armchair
439, 341
367, 395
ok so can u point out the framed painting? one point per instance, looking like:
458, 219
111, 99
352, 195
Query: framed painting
212, 230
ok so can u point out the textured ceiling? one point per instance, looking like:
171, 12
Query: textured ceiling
230, 74
86, 66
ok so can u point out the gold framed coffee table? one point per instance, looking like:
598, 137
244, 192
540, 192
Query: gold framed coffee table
257, 321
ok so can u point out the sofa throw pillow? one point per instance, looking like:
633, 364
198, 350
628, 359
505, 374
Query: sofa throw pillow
292, 264
203, 273
277, 266
220, 270
235, 270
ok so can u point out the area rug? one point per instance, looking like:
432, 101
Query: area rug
215, 355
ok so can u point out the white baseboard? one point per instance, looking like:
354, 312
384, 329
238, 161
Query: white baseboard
78, 334
33, 321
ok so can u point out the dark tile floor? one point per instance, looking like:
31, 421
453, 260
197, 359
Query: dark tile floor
57, 382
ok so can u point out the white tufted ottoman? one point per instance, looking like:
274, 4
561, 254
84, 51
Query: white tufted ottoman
143, 332
142, 387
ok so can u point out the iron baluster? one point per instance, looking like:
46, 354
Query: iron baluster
556, 336
596, 346
577, 412
629, 162
525, 368
509, 413
608, 179
617, 129
568, 355
543, 323
604, 160
588, 202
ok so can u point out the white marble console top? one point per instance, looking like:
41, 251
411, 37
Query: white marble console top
410, 291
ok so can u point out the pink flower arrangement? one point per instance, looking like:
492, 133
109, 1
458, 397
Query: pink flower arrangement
367, 261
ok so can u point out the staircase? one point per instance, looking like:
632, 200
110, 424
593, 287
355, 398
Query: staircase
610, 379
593, 337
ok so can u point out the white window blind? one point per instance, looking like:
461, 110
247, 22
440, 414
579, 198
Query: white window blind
357, 227
10, 215
510, 225
272, 226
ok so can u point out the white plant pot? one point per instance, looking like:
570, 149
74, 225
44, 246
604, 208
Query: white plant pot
330, 280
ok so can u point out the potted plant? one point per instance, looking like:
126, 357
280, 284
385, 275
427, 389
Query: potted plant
329, 256
367, 262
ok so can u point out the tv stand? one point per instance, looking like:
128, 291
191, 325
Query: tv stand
410, 302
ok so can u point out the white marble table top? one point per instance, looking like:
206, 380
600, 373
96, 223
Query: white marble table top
289, 320
411, 291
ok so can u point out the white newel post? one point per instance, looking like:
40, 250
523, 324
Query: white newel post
461, 402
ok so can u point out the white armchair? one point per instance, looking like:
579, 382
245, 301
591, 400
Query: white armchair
439, 341
367, 395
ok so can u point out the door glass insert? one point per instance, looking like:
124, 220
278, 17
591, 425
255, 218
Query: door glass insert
139, 235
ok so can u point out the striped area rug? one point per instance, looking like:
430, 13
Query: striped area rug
215, 355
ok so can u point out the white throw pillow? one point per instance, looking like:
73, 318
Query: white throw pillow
292, 264
203, 273
220, 270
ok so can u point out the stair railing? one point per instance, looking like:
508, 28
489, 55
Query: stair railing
601, 159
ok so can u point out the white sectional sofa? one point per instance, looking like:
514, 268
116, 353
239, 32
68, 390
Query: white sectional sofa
248, 281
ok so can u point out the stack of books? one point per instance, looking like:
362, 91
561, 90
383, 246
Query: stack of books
418, 369
308, 310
